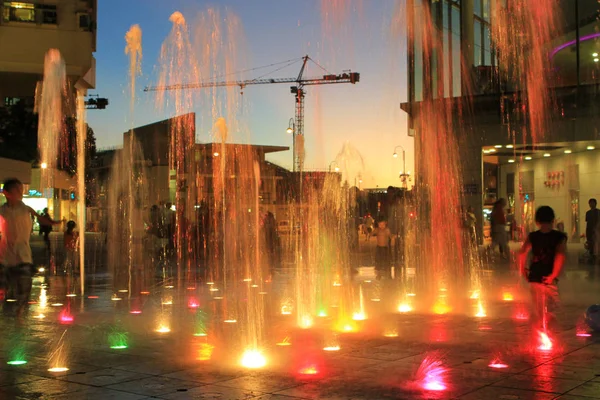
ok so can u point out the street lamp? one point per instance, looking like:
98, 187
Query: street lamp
336, 169
403, 176
291, 126
292, 131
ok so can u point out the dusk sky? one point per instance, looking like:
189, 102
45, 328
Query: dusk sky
357, 36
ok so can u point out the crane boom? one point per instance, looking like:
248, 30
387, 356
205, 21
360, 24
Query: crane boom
349, 77
297, 90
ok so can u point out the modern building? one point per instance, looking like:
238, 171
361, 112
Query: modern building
150, 151
520, 87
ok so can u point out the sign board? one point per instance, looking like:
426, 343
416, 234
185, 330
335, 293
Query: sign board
470, 188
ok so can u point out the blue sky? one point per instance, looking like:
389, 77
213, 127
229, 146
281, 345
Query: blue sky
356, 36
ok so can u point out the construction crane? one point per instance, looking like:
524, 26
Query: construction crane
297, 90
96, 103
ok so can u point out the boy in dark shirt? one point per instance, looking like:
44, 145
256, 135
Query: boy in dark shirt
547, 247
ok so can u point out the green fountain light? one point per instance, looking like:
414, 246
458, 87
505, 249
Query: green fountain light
118, 340
17, 362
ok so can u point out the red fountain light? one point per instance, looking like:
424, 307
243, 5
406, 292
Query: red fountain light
135, 312
545, 342
430, 375
65, 318
497, 363
193, 303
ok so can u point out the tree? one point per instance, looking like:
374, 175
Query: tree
18, 133
19, 140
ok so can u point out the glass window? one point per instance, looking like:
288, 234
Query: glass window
477, 7
19, 12
418, 69
456, 55
48, 14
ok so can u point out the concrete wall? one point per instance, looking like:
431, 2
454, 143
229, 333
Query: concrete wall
15, 169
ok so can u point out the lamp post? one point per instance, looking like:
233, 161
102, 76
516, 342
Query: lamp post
336, 169
292, 131
403, 176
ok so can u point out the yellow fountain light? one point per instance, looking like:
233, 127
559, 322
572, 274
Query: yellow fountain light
411, 294
254, 286
404, 308
210, 283
205, 351
163, 328
57, 304
332, 348
306, 322
213, 289
441, 308
474, 295
507, 296
359, 316
253, 359
230, 321
285, 342
247, 279
286, 310
480, 311
39, 316
71, 295
58, 369
337, 284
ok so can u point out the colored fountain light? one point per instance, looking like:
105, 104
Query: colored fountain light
404, 308
441, 308
359, 316
286, 310
135, 312
17, 362
332, 348
306, 322
285, 342
58, 369
230, 321
322, 313
507, 296
390, 333
163, 329
310, 370
474, 295
497, 363
193, 303
480, 311
71, 295
65, 318
253, 359
584, 334
205, 351
39, 316
430, 375
545, 342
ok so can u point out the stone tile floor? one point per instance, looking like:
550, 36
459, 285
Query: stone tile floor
367, 366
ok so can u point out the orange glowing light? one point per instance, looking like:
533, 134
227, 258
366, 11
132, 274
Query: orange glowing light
145, 292
286, 310
337, 284
253, 359
39, 316
391, 333
545, 342
285, 342
163, 329
92, 297
480, 311
404, 308
205, 352
247, 279
230, 321
441, 308
474, 295
359, 316
312, 370
58, 369
331, 348
507, 296
306, 322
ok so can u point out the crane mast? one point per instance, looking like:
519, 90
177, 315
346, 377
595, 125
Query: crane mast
297, 90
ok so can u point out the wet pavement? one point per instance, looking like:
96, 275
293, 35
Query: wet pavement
388, 356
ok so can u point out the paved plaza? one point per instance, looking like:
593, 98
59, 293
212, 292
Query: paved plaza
388, 356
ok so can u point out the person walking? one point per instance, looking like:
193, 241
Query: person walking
592, 219
499, 234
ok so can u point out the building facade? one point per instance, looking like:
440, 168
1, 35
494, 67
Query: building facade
521, 86
28, 29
